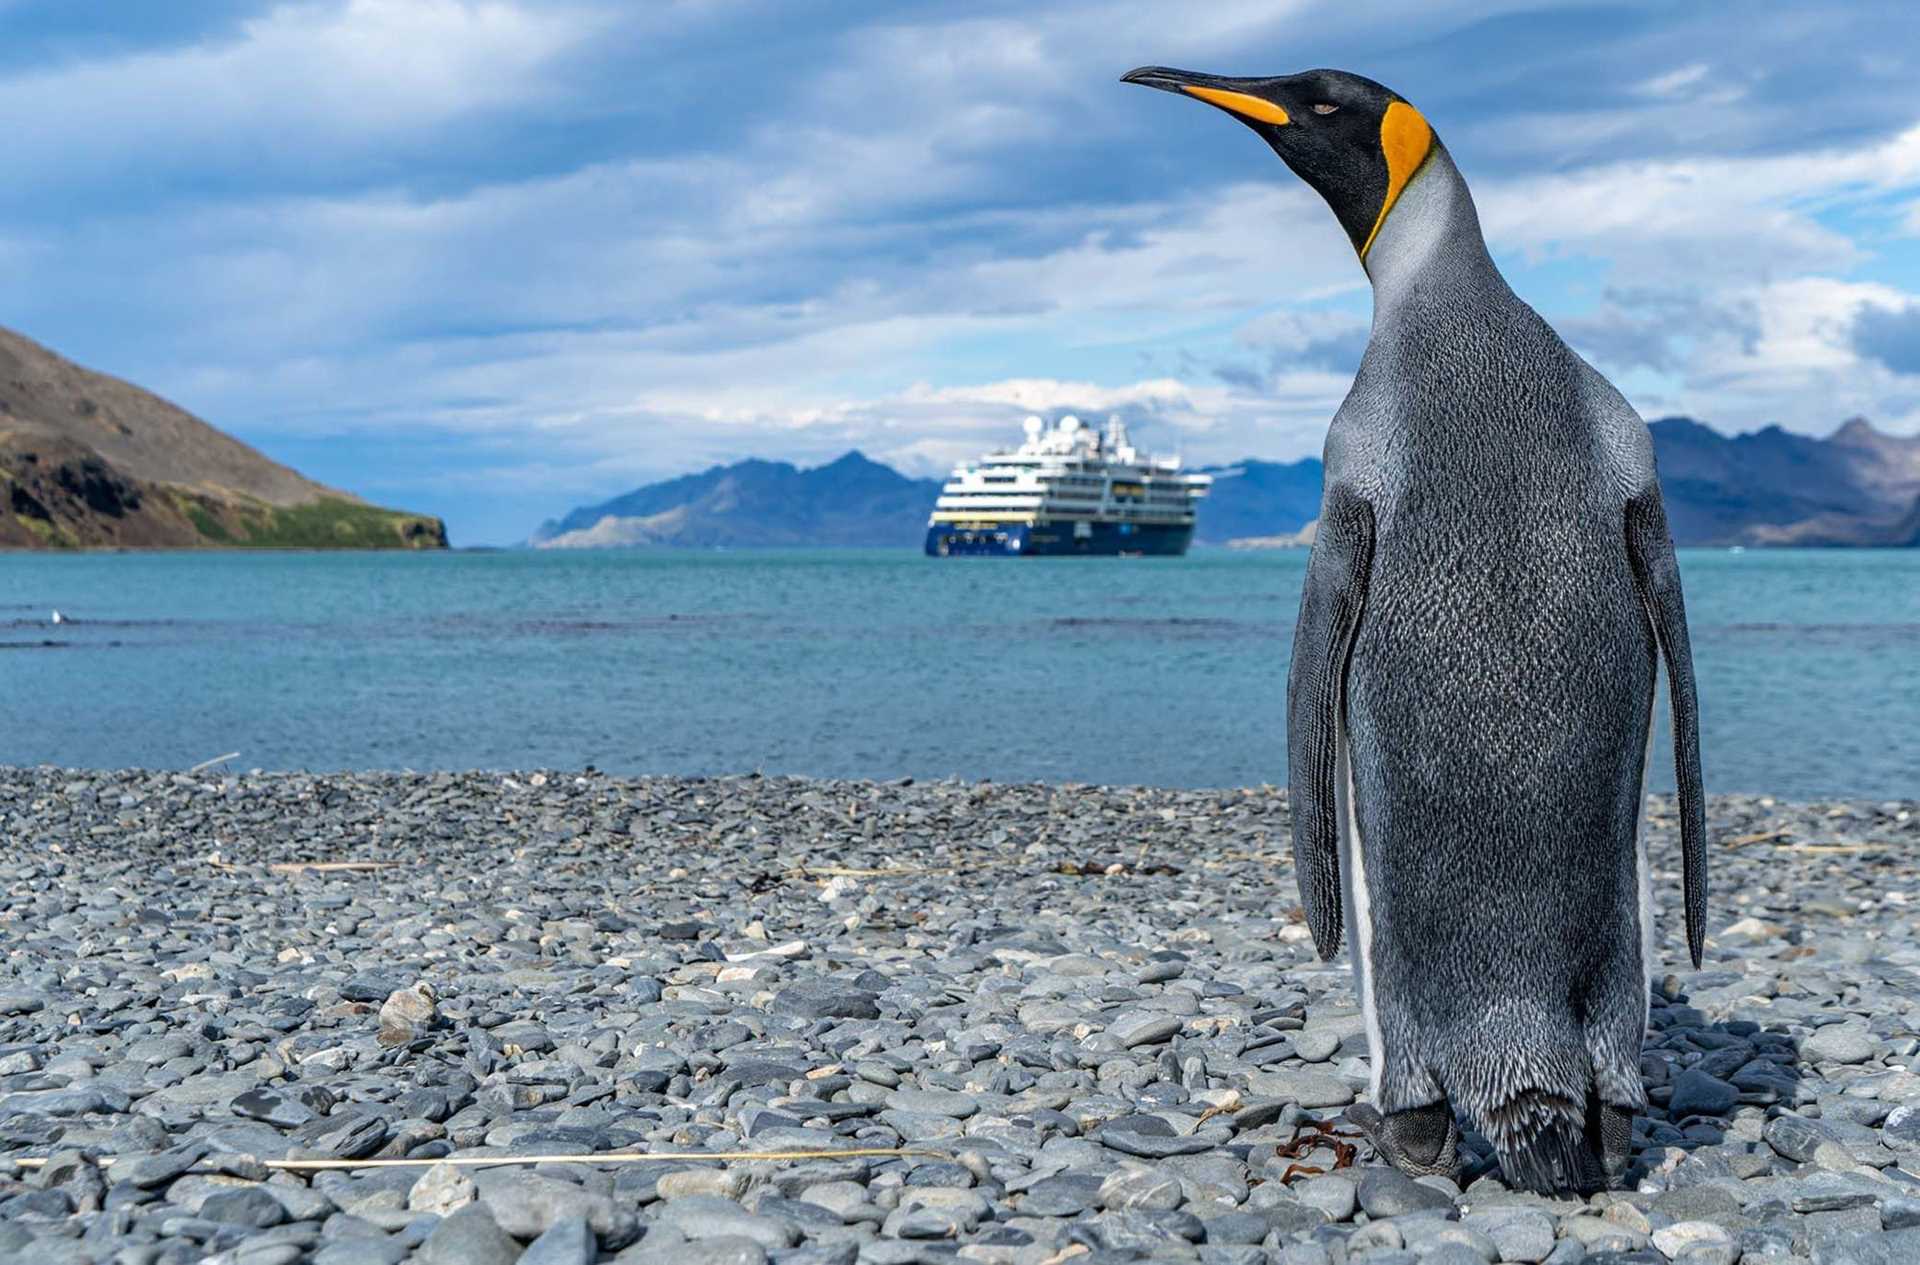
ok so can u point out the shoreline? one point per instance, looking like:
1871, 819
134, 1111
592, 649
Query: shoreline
1066, 1015
1732, 803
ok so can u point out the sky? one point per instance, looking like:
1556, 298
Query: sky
493, 259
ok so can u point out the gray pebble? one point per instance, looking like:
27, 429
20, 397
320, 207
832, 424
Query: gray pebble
567, 1242
468, 1237
711, 1217
1054, 1031
1841, 1043
1387, 1192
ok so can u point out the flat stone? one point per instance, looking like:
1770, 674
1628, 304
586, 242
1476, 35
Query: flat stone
934, 1102
727, 1183
710, 1217
362, 1251
1694, 1203
568, 1241
1597, 1235
148, 1171
1519, 1234
1149, 1146
272, 1107
1333, 1194
675, 1250
1833, 1192
1143, 1028
1901, 1129
1900, 1210
1309, 1089
1065, 1195
1896, 1247
1684, 1236
822, 999
250, 1206
1840, 1043
1795, 1137
369, 986
1387, 1192
350, 1135
1236, 1227
468, 1237
527, 1205
1139, 1230
442, 1190
1147, 1189
1432, 1237
1695, 1093
1290, 1216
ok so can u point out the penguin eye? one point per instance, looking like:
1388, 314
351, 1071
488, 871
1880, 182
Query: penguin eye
1325, 107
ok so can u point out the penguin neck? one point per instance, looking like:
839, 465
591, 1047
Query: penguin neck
1431, 236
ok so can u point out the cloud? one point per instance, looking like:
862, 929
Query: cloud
1317, 338
1674, 83
1655, 327
1719, 215
1889, 335
581, 243
297, 87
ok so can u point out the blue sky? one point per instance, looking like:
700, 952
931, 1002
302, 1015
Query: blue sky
496, 258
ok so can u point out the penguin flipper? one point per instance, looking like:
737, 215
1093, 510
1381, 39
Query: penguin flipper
1330, 604
1650, 547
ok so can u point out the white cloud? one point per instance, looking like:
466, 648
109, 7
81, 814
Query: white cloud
1724, 279
1705, 216
1798, 365
1674, 82
297, 85
898, 207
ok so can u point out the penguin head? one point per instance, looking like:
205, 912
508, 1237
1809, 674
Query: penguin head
1353, 140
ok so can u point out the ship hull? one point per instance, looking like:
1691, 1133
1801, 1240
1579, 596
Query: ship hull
1053, 540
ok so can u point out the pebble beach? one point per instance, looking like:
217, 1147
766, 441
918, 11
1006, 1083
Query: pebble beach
1020, 1024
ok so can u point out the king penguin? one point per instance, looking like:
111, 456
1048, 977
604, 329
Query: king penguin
1470, 699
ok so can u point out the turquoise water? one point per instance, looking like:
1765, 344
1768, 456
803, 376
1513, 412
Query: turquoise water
868, 664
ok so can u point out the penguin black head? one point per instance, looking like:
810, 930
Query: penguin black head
1355, 141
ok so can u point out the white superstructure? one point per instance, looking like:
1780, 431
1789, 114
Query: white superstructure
1083, 482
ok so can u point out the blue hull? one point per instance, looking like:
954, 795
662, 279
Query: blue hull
1049, 540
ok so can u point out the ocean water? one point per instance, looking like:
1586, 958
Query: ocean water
862, 664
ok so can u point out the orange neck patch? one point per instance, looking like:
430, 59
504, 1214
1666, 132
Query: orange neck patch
1240, 103
1406, 140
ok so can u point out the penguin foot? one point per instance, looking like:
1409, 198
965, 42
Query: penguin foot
1610, 1131
1419, 1141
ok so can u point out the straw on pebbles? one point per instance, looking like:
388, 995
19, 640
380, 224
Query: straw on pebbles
1024, 1024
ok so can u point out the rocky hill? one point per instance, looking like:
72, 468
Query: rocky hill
1857, 486
852, 501
1259, 500
90, 461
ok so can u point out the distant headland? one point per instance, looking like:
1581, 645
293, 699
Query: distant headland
90, 461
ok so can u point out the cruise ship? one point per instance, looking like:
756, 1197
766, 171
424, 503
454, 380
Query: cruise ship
1067, 490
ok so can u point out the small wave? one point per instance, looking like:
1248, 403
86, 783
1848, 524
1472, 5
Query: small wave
550, 626
1174, 625
1843, 630
69, 621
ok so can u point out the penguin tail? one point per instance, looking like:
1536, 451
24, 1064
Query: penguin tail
1541, 1139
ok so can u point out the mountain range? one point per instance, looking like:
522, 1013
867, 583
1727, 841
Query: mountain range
1857, 486
90, 461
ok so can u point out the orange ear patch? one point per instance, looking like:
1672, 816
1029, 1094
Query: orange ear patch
1406, 140
1240, 103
